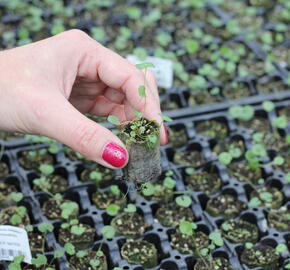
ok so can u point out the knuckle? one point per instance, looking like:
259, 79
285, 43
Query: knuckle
75, 35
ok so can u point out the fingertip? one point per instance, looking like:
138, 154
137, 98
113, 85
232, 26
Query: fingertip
114, 155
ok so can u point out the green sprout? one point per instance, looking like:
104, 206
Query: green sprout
183, 201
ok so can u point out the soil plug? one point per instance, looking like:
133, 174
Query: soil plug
141, 138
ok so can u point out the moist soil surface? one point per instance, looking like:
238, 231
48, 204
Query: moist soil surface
57, 184
83, 263
102, 199
171, 214
279, 219
240, 231
31, 160
208, 183
215, 264
189, 158
82, 241
189, 244
261, 256
130, 225
226, 206
140, 252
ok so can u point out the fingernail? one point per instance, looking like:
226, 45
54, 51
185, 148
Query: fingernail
115, 155
166, 134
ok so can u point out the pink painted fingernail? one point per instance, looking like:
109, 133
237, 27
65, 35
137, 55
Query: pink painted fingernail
166, 134
115, 155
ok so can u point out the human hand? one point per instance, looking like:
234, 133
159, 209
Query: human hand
46, 86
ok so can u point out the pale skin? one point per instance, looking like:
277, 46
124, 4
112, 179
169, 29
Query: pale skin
46, 86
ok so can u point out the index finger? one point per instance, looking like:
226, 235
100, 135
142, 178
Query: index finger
116, 72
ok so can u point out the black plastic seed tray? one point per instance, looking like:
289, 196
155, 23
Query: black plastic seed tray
169, 258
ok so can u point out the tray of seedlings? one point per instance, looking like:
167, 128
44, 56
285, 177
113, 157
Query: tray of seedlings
218, 200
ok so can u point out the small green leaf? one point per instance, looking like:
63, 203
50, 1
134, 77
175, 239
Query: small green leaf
204, 252
183, 201
281, 248
95, 262
16, 196
254, 202
39, 260
165, 118
148, 189
138, 114
58, 253
69, 248
45, 227
249, 245
169, 182
225, 158
108, 232
186, 227
278, 160
77, 230
216, 238
144, 65
114, 120
112, 209
142, 91
131, 208
46, 169
268, 106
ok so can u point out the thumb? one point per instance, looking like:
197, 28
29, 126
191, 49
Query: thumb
67, 125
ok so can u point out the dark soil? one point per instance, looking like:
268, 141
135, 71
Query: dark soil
190, 158
129, 225
279, 219
102, 199
226, 206
4, 169
171, 215
212, 128
215, 264
189, 244
31, 160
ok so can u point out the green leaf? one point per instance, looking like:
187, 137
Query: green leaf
138, 114
77, 230
58, 253
254, 202
39, 260
112, 209
16, 196
189, 171
225, 158
29, 228
115, 190
142, 91
95, 262
204, 252
216, 238
145, 65
268, 106
45, 227
186, 227
82, 253
266, 196
114, 120
280, 122
46, 169
152, 138
183, 201
281, 248
165, 118
249, 245
131, 208
278, 160
169, 182
69, 248
148, 189
108, 232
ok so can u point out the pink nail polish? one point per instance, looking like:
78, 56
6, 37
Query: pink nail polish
166, 134
115, 155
